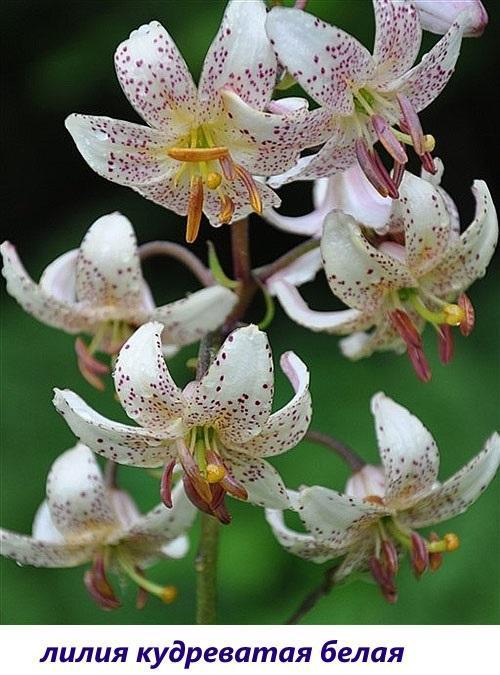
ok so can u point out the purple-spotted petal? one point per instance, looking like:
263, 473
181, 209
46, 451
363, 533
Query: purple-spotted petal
121, 443
324, 59
356, 559
456, 494
187, 320
408, 452
382, 338
155, 77
77, 498
286, 427
143, 383
261, 481
437, 17
235, 395
298, 543
397, 38
29, 551
240, 58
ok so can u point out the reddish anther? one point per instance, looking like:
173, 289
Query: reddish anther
166, 484
386, 136
467, 325
445, 343
99, 587
419, 554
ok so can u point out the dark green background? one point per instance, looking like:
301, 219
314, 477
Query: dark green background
57, 59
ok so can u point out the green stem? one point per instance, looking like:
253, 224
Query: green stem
206, 571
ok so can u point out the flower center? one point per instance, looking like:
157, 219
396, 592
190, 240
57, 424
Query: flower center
109, 338
372, 112
210, 166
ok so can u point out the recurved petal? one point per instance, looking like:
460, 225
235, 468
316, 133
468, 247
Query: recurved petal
309, 225
261, 481
286, 427
77, 499
456, 494
125, 153
356, 559
423, 83
467, 259
143, 383
187, 320
36, 300
298, 543
240, 57
357, 272
437, 17
397, 38
59, 277
43, 527
29, 551
121, 443
336, 519
408, 452
322, 58
155, 78
108, 270
236, 393
382, 338
341, 321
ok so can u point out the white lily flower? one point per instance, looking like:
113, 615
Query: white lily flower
397, 282
204, 145
374, 521
218, 428
370, 98
99, 290
437, 17
83, 520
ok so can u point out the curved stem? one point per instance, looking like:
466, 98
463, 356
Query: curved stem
314, 596
242, 271
180, 253
351, 458
263, 273
206, 571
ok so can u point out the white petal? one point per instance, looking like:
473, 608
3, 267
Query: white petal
397, 38
455, 495
36, 301
43, 526
309, 225
285, 428
155, 77
236, 393
356, 559
300, 544
299, 272
262, 482
187, 320
143, 383
323, 59
121, 443
77, 498
382, 338
29, 551
358, 273
437, 17
366, 482
240, 57
59, 278
108, 270
176, 549
336, 519
408, 452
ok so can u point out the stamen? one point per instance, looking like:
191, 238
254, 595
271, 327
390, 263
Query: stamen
384, 580
195, 209
450, 542
194, 497
251, 187
214, 179
166, 484
406, 328
420, 364
398, 171
228, 482
227, 166
227, 210
192, 470
435, 559
390, 556
419, 554
90, 368
445, 343
166, 593
99, 587
386, 136
370, 168
197, 154
467, 324
428, 163
412, 123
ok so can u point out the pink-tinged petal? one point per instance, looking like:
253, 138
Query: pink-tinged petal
325, 60
108, 270
467, 259
358, 273
232, 396
286, 427
43, 527
336, 519
437, 17
356, 559
143, 383
408, 452
299, 544
124, 153
435, 180
77, 497
59, 278
427, 225
240, 58
155, 77
29, 551
456, 494
397, 38
342, 321
187, 320
261, 481
368, 481
309, 225
423, 83
36, 301
121, 443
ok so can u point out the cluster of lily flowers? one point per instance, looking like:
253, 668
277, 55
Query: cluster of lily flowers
389, 243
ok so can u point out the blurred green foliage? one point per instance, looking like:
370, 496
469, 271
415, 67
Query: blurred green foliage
58, 59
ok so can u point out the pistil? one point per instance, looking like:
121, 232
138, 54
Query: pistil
166, 593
